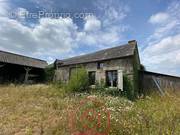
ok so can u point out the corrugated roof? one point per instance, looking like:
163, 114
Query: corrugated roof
158, 74
110, 53
12, 58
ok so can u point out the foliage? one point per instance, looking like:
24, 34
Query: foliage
128, 90
49, 73
43, 109
104, 90
100, 86
136, 77
113, 91
78, 81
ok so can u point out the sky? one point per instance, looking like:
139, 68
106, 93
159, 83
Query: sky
58, 29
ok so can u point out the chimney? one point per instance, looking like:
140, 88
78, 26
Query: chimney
132, 42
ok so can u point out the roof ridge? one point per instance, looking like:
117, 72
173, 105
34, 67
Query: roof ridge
115, 52
106, 49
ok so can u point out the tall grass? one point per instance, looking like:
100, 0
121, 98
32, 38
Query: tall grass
43, 109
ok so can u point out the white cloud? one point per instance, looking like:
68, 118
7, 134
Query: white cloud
92, 23
168, 63
163, 56
163, 50
112, 11
168, 44
167, 22
52, 38
108, 28
57, 38
159, 18
45, 4
49, 38
94, 35
4, 7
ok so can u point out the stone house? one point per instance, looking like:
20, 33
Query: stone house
106, 66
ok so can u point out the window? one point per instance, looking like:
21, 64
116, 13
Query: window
100, 65
92, 77
111, 78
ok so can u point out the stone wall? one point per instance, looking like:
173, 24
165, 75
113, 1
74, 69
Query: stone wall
136, 66
124, 64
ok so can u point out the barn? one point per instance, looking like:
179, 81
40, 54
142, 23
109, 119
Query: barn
151, 81
20, 69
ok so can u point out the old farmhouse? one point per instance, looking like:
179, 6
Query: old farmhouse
20, 69
107, 65
110, 65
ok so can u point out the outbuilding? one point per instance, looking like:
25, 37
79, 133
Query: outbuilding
20, 69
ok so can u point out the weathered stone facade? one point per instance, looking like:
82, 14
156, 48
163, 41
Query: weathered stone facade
122, 60
125, 65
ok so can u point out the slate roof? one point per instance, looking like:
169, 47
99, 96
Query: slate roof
107, 54
11, 58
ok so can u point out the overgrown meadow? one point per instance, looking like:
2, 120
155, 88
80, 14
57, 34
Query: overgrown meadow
44, 110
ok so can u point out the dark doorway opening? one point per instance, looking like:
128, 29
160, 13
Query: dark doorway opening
92, 77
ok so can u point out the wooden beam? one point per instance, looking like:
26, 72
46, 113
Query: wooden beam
2, 66
27, 69
33, 75
158, 86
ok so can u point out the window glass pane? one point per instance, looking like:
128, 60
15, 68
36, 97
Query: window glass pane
111, 78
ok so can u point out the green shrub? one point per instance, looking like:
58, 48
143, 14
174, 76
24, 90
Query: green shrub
113, 91
128, 88
49, 74
78, 81
104, 90
100, 86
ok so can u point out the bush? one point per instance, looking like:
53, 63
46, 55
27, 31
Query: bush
100, 86
49, 74
128, 88
105, 90
113, 91
79, 80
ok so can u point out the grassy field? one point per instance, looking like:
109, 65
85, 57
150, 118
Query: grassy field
43, 109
